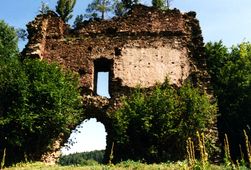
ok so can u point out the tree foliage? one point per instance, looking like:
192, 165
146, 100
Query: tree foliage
158, 3
8, 42
38, 101
22, 34
78, 20
153, 126
119, 8
161, 4
230, 70
64, 8
84, 158
98, 8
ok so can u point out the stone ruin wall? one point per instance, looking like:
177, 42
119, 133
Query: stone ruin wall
141, 48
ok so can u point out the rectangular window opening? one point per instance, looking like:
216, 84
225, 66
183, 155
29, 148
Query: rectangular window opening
102, 86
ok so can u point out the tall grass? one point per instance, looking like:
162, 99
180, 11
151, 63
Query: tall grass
190, 152
202, 163
248, 147
227, 155
3, 158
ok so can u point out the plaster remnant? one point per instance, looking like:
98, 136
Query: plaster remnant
145, 66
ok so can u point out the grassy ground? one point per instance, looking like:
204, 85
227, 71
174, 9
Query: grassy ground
122, 166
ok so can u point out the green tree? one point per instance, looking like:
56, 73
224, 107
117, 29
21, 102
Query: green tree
119, 8
64, 8
38, 101
230, 70
78, 20
158, 3
8, 42
161, 4
98, 8
154, 125
84, 158
22, 34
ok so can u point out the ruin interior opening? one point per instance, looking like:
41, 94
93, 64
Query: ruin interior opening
103, 84
90, 135
102, 71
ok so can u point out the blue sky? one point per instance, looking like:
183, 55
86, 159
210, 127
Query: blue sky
226, 20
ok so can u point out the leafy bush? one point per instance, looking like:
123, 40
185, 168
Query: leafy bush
153, 126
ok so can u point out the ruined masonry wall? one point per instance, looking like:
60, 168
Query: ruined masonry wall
141, 48
145, 46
